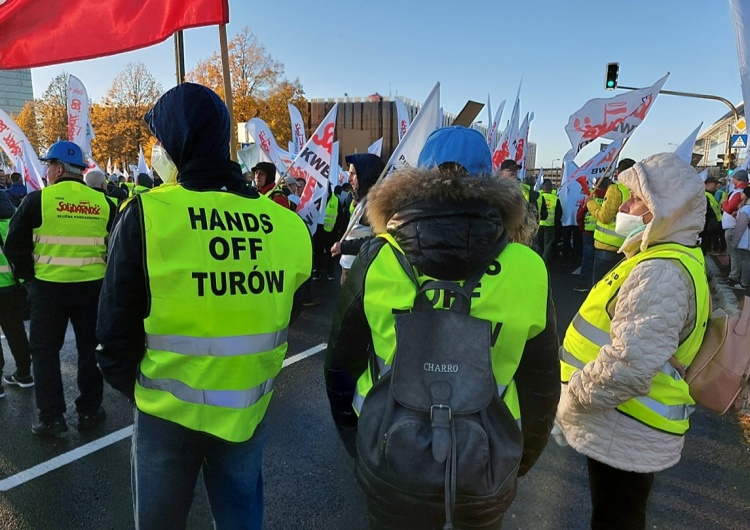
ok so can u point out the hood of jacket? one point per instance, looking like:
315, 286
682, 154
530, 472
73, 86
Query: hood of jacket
674, 194
449, 225
192, 123
368, 167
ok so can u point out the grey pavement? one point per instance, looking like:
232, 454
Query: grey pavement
309, 477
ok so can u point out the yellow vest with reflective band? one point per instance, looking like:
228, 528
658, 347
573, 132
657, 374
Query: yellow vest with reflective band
605, 233
137, 190
668, 405
714, 205
222, 273
6, 275
130, 186
70, 245
389, 290
332, 210
551, 200
526, 190
589, 221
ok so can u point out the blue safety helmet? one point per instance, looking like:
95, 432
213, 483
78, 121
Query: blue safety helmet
67, 153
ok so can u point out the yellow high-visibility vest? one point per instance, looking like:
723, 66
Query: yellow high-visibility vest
70, 244
668, 405
222, 273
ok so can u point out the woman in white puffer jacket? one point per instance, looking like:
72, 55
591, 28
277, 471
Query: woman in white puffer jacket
613, 407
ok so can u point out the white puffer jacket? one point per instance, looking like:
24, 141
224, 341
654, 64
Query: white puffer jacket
655, 310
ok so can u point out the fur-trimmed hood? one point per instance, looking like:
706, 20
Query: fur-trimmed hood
449, 224
674, 194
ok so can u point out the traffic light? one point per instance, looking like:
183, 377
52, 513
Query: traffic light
613, 70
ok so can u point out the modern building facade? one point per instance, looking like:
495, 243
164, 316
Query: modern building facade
713, 144
15, 90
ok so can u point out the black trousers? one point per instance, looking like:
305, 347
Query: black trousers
322, 243
52, 306
618, 498
12, 309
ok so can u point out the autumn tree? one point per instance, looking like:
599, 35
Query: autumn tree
258, 86
29, 120
52, 111
118, 120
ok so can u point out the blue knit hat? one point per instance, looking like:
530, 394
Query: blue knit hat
458, 145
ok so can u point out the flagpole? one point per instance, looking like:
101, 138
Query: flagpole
228, 89
606, 173
179, 57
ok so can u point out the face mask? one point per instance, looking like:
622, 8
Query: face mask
626, 223
163, 165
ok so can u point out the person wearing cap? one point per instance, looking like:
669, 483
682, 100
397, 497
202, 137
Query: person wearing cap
264, 175
364, 171
451, 220
194, 315
712, 227
607, 241
729, 220
58, 239
624, 404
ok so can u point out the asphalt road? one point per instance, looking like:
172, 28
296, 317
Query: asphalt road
308, 476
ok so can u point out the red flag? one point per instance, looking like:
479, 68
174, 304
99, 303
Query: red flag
41, 32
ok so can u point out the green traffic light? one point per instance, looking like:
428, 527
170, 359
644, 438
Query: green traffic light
610, 83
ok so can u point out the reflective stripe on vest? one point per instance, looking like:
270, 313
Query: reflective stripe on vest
69, 245
332, 210
232, 399
551, 200
222, 273
668, 405
388, 288
218, 346
605, 233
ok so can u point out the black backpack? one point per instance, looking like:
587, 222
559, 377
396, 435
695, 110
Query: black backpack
433, 431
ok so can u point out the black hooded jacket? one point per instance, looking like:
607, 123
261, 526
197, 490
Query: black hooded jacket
369, 168
192, 124
449, 228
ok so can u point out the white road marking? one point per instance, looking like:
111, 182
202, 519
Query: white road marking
85, 450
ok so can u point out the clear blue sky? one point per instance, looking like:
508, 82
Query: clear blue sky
476, 47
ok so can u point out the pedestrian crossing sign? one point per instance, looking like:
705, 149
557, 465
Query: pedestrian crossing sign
739, 141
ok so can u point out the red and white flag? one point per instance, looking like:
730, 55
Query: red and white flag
598, 165
298, 131
42, 32
80, 131
613, 118
263, 136
18, 148
314, 165
505, 148
403, 118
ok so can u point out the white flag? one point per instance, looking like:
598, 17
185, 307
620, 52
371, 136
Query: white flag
505, 149
298, 130
685, 151
492, 132
109, 166
403, 118
539, 179
741, 16
142, 167
425, 122
704, 175
80, 130
18, 148
613, 118
314, 165
377, 147
333, 175
489, 118
523, 137
263, 136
